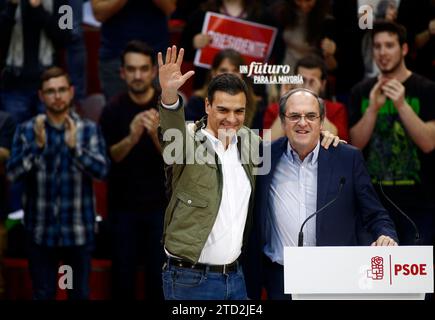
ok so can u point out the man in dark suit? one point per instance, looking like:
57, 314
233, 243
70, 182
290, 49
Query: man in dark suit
303, 178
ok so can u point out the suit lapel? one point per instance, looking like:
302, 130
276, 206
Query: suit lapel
324, 173
277, 150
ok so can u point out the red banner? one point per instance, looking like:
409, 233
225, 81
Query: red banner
254, 41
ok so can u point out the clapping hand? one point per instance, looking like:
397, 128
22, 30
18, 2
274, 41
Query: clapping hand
39, 129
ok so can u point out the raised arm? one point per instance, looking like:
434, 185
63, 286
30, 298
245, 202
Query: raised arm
172, 120
170, 76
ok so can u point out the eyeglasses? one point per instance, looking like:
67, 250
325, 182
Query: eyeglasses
60, 91
131, 69
296, 117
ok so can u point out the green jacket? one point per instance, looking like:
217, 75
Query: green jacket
195, 185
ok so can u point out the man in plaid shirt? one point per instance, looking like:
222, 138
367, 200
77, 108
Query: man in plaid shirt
57, 155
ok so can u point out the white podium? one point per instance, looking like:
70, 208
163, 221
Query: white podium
358, 273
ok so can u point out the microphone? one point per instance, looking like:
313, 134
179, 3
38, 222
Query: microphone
301, 234
417, 233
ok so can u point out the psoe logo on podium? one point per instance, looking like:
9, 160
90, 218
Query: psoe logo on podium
372, 273
398, 268
377, 268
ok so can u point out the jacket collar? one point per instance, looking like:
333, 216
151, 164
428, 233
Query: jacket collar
324, 173
202, 138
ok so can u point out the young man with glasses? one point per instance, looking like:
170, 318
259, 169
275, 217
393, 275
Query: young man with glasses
302, 179
57, 155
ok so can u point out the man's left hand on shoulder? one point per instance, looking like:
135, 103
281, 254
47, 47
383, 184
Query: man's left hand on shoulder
330, 138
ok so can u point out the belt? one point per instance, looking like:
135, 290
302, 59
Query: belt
224, 268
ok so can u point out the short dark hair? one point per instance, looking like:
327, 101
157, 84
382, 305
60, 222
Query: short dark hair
53, 72
228, 83
288, 94
391, 27
313, 61
136, 46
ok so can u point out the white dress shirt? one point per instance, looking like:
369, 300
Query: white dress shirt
224, 243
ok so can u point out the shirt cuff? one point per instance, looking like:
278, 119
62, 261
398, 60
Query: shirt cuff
172, 106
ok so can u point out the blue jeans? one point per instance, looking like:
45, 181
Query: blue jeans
21, 104
14, 202
44, 268
191, 284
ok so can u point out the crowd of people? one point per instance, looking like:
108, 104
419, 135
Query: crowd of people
203, 221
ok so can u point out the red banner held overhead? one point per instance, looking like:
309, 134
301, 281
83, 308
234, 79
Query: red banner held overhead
252, 40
